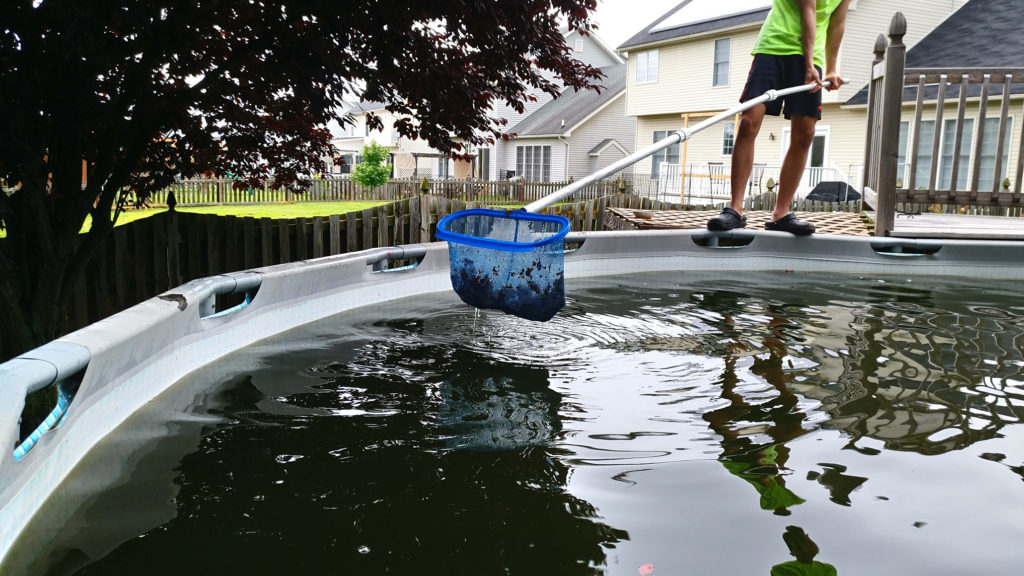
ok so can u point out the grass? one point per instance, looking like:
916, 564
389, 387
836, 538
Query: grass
297, 210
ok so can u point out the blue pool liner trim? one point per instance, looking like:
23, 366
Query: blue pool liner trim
54, 418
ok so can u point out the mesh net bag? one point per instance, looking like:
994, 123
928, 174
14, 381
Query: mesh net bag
509, 261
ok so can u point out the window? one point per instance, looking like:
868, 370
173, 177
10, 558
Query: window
484, 164
946, 162
534, 163
579, 45
924, 154
990, 141
721, 73
728, 137
901, 160
647, 67
442, 169
668, 155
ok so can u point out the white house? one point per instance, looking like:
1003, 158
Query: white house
692, 63
408, 157
552, 139
573, 135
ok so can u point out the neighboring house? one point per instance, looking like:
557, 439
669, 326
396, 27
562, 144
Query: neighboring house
692, 63
573, 135
954, 45
408, 157
537, 148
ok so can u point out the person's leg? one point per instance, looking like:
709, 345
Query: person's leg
801, 136
743, 153
765, 74
742, 164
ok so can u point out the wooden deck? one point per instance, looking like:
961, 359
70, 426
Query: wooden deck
963, 226
958, 226
847, 223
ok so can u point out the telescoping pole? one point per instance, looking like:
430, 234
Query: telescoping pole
676, 137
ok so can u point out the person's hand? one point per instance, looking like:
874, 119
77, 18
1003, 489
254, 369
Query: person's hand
812, 77
834, 80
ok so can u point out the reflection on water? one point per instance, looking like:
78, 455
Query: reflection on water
442, 466
666, 424
804, 550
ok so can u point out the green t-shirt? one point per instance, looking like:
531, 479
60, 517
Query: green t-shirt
794, 568
781, 32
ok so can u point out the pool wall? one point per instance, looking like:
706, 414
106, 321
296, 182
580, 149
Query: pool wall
128, 359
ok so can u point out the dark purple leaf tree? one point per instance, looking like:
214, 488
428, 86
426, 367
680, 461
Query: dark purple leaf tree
138, 93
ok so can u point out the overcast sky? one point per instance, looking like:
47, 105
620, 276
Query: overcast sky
619, 20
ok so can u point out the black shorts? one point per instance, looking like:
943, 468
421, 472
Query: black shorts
771, 72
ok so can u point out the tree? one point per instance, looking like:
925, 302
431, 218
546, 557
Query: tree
137, 93
372, 171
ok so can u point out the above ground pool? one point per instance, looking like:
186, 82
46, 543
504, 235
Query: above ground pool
684, 415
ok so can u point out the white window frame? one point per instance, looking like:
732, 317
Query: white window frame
646, 67
663, 156
819, 130
728, 138
716, 62
533, 162
948, 140
578, 45
986, 179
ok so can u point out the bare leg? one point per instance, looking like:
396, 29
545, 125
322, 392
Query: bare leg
743, 154
801, 136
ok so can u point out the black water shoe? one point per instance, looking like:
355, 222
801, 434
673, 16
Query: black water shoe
789, 223
727, 220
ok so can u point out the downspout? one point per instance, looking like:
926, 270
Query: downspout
566, 142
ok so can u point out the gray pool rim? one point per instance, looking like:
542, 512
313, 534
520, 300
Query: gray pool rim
126, 360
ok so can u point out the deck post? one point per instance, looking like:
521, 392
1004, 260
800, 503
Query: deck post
892, 103
870, 144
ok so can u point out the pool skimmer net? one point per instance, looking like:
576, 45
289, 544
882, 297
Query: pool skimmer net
511, 261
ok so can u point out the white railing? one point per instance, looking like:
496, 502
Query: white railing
711, 183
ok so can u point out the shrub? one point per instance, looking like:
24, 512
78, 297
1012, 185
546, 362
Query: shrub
373, 170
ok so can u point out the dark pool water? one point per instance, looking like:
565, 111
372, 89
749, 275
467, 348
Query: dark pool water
669, 424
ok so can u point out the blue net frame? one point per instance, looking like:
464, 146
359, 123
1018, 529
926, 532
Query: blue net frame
510, 261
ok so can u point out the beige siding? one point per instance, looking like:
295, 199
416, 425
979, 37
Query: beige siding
685, 67
685, 86
846, 129
684, 76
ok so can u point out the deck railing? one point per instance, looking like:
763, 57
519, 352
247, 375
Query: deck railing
711, 182
962, 160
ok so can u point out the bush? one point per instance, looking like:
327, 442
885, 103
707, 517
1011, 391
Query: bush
373, 170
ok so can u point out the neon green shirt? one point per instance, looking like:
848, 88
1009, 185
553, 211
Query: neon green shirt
780, 35
795, 568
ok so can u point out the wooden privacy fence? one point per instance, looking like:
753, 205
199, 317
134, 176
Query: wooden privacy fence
151, 255
964, 162
213, 192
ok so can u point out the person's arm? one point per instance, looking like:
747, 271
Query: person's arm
808, 30
836, 29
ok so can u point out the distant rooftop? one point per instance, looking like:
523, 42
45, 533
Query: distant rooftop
981, 33
564, 113
693, 17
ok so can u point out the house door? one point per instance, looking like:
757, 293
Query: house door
816, 157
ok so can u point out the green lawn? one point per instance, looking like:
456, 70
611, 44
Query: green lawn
297, 210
